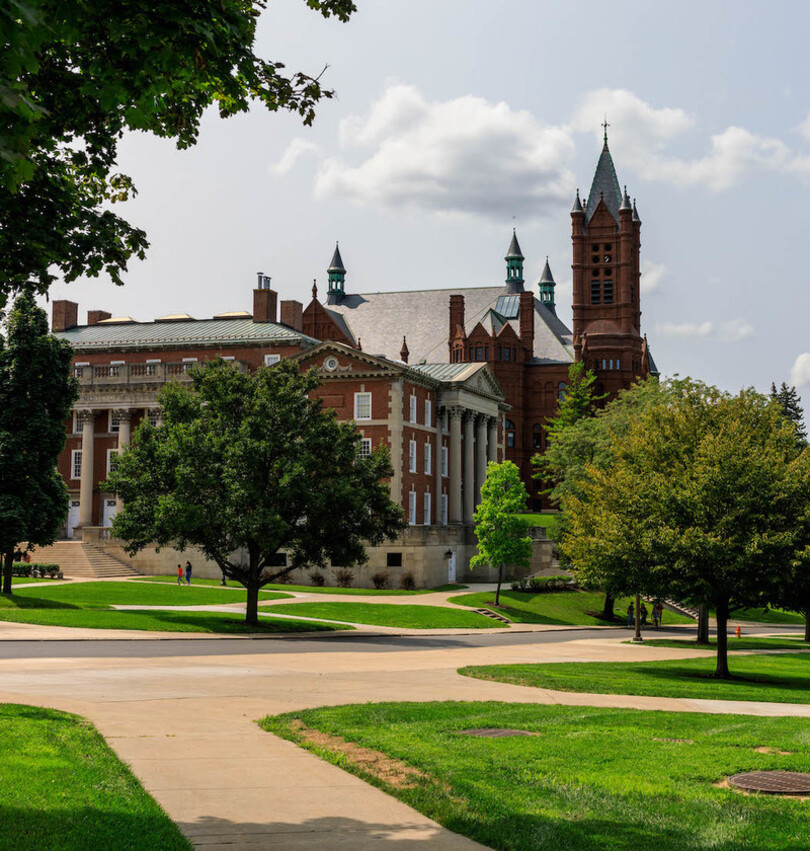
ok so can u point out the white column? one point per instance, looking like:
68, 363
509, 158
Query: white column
492, 439
469, 467
88, 421
480, 455
454, 502
124, 434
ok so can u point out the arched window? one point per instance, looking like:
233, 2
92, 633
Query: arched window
561, 388
537, 436
510, 434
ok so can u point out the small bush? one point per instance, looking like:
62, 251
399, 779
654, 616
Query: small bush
380, 580
316, 579
284, 579
344, 576
407, 582
543, 584
21, 568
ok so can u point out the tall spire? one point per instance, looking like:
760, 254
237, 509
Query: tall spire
546, 285
514, 266
605, 186
337, 278
577, 208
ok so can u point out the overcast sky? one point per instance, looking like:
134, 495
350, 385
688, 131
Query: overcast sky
456, 120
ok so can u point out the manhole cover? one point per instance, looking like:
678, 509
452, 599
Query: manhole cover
495, 732
773, 782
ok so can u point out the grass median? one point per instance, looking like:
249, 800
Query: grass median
397, 615
734, 644
783, 678
579, 608
313, 589
64, 789
585, 779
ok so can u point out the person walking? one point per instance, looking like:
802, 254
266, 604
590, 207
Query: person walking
631, 614
188, 573
660, 613
179, 574
655, 615
642, 613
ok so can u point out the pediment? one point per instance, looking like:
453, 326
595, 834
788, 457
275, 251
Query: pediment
484, 381
332, 359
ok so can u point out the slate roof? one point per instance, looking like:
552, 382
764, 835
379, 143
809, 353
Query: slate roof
135, 335
380, 318
337, 262
605, 186
514, 249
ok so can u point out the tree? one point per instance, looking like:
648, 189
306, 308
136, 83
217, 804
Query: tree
244, 465
709, 492
788, 400
502, 534
37, 391
74, 77
579, 399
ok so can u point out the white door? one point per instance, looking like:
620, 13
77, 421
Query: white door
451, 568
109, 512
72, 518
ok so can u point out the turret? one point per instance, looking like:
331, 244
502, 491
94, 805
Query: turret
546, 285
514, 266
337, 278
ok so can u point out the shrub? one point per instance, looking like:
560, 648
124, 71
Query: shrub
316, 579
284, 579
21, 568
544, 584
407, 582
380, 580
344, 576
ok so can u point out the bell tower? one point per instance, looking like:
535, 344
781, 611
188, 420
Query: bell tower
606, 237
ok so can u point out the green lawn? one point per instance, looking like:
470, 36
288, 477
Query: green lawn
744, 643
544, 520
311, 589
783, 678
562, 607
64, 789
22, 580
388, 614
767, 616
95, 594
590, 780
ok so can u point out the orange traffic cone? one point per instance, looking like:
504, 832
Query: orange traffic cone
737, 631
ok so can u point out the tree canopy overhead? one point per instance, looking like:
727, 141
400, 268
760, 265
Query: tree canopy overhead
75, 76
244, 465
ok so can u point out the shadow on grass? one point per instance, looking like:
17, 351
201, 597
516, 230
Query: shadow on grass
15, 601
791, 683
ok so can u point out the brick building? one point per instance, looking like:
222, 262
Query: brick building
446, 379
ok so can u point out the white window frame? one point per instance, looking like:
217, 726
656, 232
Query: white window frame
110, 454
428, 412
153, 416
412, 456
114, 366
413, 408
271, 360
75, 463
113, 422
78, 368
427, 518
428, 458
445, 453
362, 399
412, 508
365, 448
445, 509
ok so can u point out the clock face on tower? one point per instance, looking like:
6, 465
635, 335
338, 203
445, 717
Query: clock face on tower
331, 364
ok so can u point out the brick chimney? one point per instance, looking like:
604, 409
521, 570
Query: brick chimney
292, 314
456, 313
96, 316
64, 315
265, 300
527, 322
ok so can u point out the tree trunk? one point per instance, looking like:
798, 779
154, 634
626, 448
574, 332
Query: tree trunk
637, 636
721, 671
8, 561
703, 625
607, 609
252, 608
498, 589
807, 625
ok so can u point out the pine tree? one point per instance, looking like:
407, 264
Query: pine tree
788, 399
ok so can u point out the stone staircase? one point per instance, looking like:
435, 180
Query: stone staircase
675, 606
78, 559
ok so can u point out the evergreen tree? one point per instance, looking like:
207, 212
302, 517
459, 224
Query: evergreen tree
788, 399
37, 391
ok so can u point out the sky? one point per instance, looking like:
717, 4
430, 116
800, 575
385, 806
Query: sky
455, 121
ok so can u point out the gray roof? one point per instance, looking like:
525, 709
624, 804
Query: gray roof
514, 248
546, 277
136, 335
337, 262
447, 371
379, 318
577, 208
636, 217
605, 187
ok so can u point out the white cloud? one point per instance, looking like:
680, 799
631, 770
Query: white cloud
651, 275
684, 329
800, 371
465, 155
736, 330
295, 150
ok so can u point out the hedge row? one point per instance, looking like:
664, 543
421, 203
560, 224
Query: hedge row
22, 568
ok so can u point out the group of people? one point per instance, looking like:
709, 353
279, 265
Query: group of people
184, 574
657, 614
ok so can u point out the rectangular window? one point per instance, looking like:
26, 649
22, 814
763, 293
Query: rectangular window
428, 458
412, 508
153, 415
444, 509
78, 368
114, 423
428, 412
394, 559
595, 293
111, 453
445, 461
76, 464
618, 364
413, 409
115, 366
365, 447
608, 291
427, 520
150, 365
479, 352
412, 456
269, 360
362, 406
510, 439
